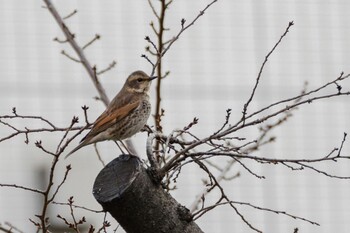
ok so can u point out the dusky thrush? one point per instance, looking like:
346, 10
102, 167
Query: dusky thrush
126, 114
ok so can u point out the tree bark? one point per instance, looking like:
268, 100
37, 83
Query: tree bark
126, 191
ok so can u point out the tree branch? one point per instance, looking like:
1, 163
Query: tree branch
78, 50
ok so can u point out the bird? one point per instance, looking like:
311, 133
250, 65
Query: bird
125, 115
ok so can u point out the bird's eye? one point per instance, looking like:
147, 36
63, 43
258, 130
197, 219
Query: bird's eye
139, 80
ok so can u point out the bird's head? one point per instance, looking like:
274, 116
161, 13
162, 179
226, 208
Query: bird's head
138, 82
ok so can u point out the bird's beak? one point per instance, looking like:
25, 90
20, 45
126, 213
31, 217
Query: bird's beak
153, 77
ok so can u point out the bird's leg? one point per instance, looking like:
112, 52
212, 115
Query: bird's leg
126, 148
116, 142
123, 145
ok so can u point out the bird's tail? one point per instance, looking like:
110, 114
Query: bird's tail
82, 144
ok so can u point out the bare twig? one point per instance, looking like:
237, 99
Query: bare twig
177, 36
70, 15
153, 9
68, 168
16, 115
22, 187
70, 57
97, 37
342, 144
74, 121
99, 155
109, 67
153, 162
291, 23
263, 209
78, 207
298, 97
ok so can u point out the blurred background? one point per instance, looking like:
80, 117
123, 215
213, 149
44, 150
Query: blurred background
213, 67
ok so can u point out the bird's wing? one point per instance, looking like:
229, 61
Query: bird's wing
109, 118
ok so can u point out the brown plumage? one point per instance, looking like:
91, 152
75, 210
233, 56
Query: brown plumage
126, 114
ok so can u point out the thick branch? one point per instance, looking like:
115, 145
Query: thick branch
78, 50
125, 190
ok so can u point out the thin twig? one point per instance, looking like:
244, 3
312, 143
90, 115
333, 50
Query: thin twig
70, 15
97, 37
109, 67
177, 36
262, 68
99, 155
68, 168
78, 207
70, 57
22, 187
